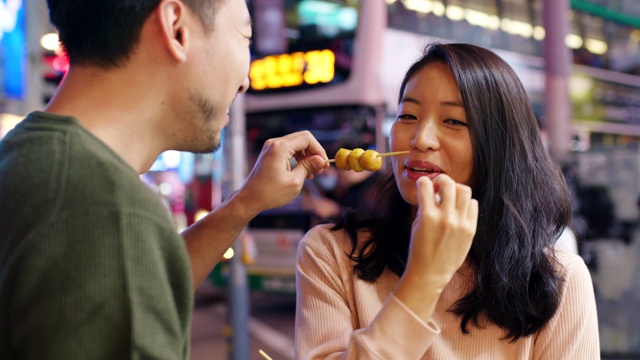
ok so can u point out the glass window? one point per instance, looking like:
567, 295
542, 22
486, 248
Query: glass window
302, 43
517, 25
299, 25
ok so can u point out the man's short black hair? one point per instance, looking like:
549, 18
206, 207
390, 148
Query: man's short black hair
105, 32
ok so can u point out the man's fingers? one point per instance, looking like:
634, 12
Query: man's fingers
303, 144
309, 166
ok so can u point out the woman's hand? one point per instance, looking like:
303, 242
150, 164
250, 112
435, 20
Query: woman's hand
441, 237
442, 233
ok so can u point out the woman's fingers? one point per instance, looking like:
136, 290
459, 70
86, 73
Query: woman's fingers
447, 191
463, 198
451, 195
472, 213
442, 234
426, 193
456, 212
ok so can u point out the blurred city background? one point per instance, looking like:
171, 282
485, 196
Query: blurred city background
334, 67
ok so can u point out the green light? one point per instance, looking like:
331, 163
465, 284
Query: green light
605, 13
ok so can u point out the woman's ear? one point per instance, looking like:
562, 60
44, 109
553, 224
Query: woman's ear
172, 15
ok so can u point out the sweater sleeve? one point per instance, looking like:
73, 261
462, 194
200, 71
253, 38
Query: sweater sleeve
573, 332
101, 285
328, 327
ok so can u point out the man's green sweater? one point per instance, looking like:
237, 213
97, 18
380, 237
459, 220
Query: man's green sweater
91, 266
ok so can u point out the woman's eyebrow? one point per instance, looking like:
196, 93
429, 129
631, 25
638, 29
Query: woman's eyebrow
452, 103
446, 103
409, 99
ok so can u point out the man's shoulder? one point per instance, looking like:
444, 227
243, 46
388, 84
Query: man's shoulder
45, 149
52, 163
39, 144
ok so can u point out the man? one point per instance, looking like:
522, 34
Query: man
90, 265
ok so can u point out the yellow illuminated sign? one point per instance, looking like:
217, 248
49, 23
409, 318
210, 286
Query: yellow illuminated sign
287, 70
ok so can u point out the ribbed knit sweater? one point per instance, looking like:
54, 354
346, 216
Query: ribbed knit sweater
339, 316
90, 264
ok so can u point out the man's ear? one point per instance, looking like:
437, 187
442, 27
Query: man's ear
172, 15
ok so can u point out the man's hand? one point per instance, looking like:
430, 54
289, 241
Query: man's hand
272, 182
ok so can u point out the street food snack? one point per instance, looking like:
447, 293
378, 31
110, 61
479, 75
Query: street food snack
358, 159
341, 159
354, 159
371, 160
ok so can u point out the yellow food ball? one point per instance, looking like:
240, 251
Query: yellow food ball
371, 160
354, 159
341, 159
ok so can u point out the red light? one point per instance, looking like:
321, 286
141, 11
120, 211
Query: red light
60, 62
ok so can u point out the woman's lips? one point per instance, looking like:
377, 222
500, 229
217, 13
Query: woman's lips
417, 169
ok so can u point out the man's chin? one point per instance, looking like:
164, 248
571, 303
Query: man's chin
209, 148
214, 146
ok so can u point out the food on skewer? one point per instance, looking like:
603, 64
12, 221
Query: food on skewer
341, 159
371, 160
359, 159
354, 159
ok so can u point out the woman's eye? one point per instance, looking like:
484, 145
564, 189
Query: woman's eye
455, 122
405, 117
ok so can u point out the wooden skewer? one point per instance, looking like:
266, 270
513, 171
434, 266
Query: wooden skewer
393, 153
264, 355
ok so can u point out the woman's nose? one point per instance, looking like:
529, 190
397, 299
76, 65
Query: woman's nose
426, 137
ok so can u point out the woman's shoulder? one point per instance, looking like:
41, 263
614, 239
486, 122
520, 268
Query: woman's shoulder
324, 236
571, 265
325, 239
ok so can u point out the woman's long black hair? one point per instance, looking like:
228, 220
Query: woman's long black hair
523, 196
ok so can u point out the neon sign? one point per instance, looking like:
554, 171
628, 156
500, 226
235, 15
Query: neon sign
12, 45
9, 16
295, 69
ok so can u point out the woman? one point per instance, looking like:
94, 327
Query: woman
456, 258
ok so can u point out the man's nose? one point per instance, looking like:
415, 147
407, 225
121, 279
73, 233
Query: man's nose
245, 86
